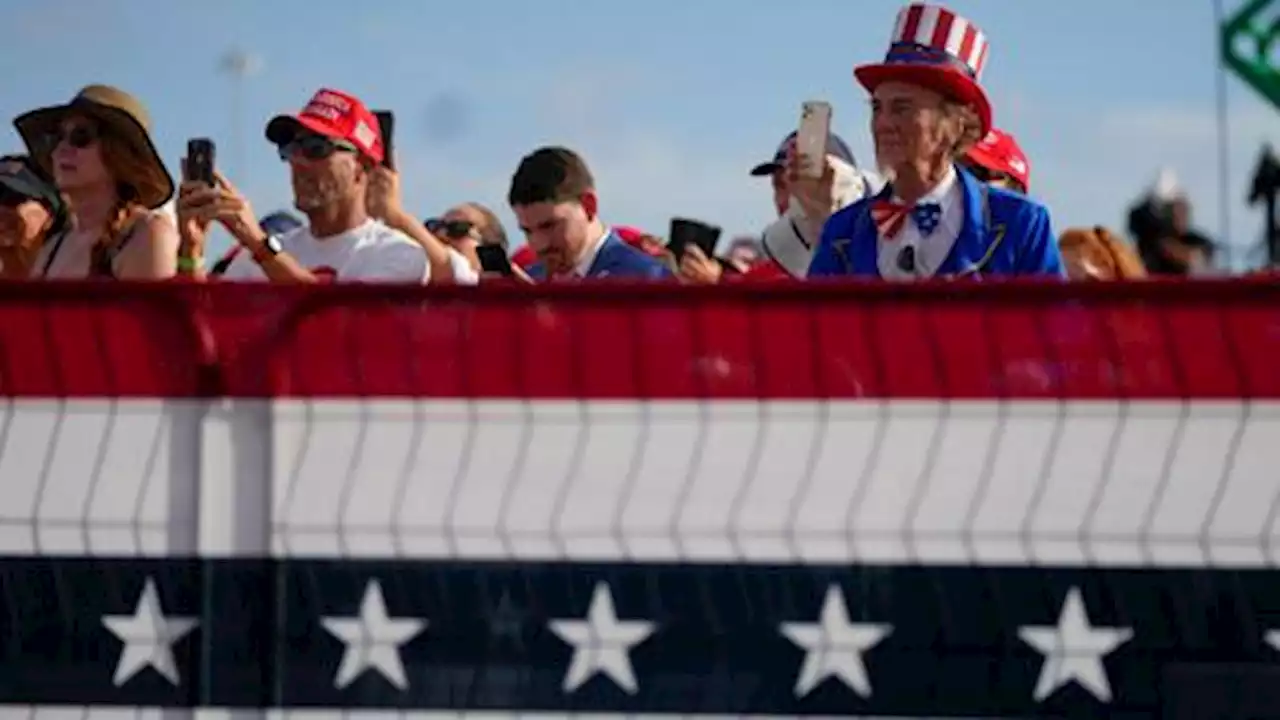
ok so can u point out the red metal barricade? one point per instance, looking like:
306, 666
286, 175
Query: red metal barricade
990, 341
993, 340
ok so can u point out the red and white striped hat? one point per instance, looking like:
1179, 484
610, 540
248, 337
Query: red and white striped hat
935, 48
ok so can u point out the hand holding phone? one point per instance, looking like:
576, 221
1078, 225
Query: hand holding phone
493, 259
386, 126
811, 138
199, 163
685, 232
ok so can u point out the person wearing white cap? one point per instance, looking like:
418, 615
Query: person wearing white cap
787, 243
934, 219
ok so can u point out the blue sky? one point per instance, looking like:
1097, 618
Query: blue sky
670, 101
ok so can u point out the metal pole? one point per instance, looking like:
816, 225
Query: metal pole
239, 65
237, 131
1224, 135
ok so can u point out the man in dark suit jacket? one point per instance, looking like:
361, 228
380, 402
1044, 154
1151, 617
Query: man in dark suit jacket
553, 196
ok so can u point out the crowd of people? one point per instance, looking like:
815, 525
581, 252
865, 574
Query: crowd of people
948, 197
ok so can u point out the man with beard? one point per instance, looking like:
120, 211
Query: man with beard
334, 150
553, 195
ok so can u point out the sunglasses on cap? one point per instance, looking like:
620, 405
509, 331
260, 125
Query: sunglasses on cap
452, 229
314, 147
78, 136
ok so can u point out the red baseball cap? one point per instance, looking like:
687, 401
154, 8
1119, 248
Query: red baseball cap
999, 152
524, 256
629, 235
335, 115
635, 237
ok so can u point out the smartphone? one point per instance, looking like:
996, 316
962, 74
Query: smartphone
200, 155
386, 126
685, 232
493, 259
811, 139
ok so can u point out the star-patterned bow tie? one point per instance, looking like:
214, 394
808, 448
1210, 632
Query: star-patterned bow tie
890, 217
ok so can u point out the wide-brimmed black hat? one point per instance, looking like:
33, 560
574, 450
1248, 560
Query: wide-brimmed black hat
121, 114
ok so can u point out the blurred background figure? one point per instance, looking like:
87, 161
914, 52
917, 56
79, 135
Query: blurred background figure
743, 253
1264, 191
486, 223
31, 210
1160, 224
467, 226
999, 161
649, 244
277, 223
1096, 254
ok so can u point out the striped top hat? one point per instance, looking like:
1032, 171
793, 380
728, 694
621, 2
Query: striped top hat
935, 48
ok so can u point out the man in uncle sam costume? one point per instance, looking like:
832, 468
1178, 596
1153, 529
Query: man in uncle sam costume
934, 218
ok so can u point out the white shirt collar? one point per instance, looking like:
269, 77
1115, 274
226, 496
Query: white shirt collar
589, 255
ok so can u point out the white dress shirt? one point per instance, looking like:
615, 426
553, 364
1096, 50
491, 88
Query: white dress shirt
932, 251
589, 254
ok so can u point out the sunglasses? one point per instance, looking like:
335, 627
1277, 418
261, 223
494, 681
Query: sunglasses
314, 147
77, 136
452, 229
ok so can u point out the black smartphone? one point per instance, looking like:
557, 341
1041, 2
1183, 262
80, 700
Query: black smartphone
386, 126
685, 232
200, 156
493, 259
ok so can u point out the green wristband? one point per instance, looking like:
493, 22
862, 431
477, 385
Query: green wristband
188, 264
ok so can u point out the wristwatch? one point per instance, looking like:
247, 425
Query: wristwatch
269, 248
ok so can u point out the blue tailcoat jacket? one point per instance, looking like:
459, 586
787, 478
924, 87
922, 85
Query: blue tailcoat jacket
1004, 233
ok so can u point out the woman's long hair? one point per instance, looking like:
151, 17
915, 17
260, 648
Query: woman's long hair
124, 164
1106, 256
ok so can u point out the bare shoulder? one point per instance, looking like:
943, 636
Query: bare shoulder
152, 252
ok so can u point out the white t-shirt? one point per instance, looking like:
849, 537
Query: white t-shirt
371, 252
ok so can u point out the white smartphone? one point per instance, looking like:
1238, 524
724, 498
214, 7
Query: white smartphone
811, 139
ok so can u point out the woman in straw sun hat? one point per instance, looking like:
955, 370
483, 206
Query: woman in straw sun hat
934, 219
98, 149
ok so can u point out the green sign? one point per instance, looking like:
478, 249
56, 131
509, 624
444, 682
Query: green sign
1246, 42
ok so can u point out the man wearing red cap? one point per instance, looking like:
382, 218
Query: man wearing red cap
334, 150
934, 219
998, 161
